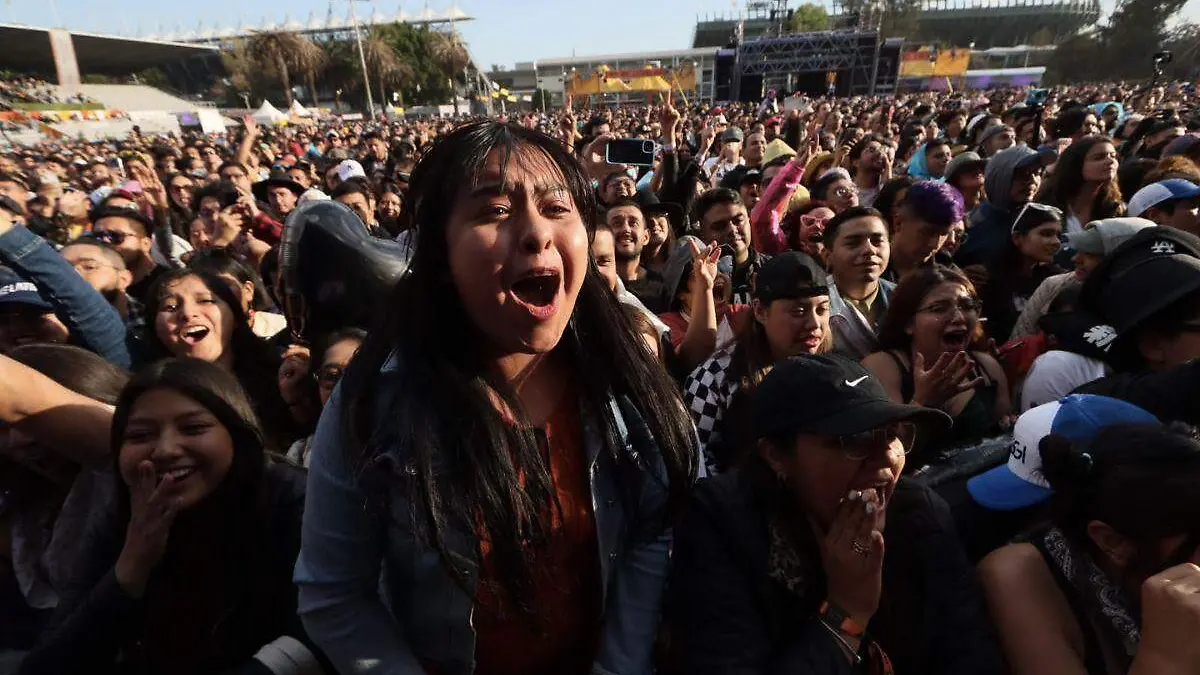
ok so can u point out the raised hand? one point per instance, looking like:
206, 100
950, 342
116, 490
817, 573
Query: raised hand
152, 510
668, 118
949, 376
704, 265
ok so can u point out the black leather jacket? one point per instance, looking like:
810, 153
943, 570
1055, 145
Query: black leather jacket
727, 614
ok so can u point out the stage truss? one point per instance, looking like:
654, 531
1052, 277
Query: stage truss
852, 54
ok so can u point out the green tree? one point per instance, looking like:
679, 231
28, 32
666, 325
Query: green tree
282, 53
382, 60
1076, 59
809, 17
1135, 31
427, 83
541, 100
450, 54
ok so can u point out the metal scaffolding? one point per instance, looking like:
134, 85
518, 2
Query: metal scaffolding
850, 54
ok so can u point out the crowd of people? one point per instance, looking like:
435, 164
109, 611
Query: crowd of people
16, 88
881, 385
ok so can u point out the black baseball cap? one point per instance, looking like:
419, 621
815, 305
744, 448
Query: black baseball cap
788, 276
1146, 274
830, 395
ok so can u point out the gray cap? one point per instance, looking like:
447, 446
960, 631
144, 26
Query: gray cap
1101, 237
732, 134
964, 161
993, 130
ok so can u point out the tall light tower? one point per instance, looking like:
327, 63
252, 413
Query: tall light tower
362, 59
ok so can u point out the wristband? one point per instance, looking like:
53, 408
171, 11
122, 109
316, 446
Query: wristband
668, 147
838, 618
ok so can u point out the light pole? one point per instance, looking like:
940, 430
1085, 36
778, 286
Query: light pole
362, 59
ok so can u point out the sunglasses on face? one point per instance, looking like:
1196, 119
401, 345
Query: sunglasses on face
111, 237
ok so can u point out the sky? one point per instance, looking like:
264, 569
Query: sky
503, 32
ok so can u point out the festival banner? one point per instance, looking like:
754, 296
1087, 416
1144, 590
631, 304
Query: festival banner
928, 61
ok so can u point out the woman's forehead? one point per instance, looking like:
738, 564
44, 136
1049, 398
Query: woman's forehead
947, 289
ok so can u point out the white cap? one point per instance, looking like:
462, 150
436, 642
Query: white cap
312, 195
1157, 193
348, 169
1025, 459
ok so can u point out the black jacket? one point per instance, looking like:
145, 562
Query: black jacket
1171, 395
728, 616
97, 628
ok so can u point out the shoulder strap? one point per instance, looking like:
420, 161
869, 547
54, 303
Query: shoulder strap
906, 377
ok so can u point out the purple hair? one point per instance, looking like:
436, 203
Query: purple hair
935, 202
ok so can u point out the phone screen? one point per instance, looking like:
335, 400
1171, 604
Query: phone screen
633, 151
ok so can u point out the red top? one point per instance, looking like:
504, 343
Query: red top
562, 639
267, 229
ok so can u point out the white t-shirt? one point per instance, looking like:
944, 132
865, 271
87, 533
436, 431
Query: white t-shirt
717, 167
1056, 374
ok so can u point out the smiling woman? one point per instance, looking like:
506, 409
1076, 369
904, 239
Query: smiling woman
521, 453
197, 315
190, 572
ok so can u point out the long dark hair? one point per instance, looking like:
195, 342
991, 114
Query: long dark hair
238, 516
1139, 479
1065, 182
467, 466
906, 299
255, 362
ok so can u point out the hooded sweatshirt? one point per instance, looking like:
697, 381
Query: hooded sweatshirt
989, 228
918, 167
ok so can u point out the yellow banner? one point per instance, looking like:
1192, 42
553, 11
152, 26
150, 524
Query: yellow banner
604, 80
944, 62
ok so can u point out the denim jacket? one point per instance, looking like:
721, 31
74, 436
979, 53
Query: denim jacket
853, 336
93, 323
376, 601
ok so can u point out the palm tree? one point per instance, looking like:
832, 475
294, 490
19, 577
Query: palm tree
383, 61
279, 52
312, 60
450, 54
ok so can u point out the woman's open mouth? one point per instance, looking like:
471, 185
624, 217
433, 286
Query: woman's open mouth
537, 292
955, 340
194, 334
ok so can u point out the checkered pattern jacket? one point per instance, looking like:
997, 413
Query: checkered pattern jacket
707, 392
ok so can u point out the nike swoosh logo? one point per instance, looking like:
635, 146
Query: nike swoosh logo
854, 383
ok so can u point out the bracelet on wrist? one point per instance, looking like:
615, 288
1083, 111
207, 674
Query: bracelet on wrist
839, 619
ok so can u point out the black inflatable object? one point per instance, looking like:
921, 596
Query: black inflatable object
334, 274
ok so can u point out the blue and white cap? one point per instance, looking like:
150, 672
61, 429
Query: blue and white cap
1077, 417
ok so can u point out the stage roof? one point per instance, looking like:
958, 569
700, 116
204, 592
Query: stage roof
27, 49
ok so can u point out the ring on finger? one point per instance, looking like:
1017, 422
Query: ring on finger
860, 548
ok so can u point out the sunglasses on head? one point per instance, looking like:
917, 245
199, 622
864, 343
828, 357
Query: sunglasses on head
1039, 214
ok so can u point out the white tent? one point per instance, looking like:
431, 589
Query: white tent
298, 110
268, 114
